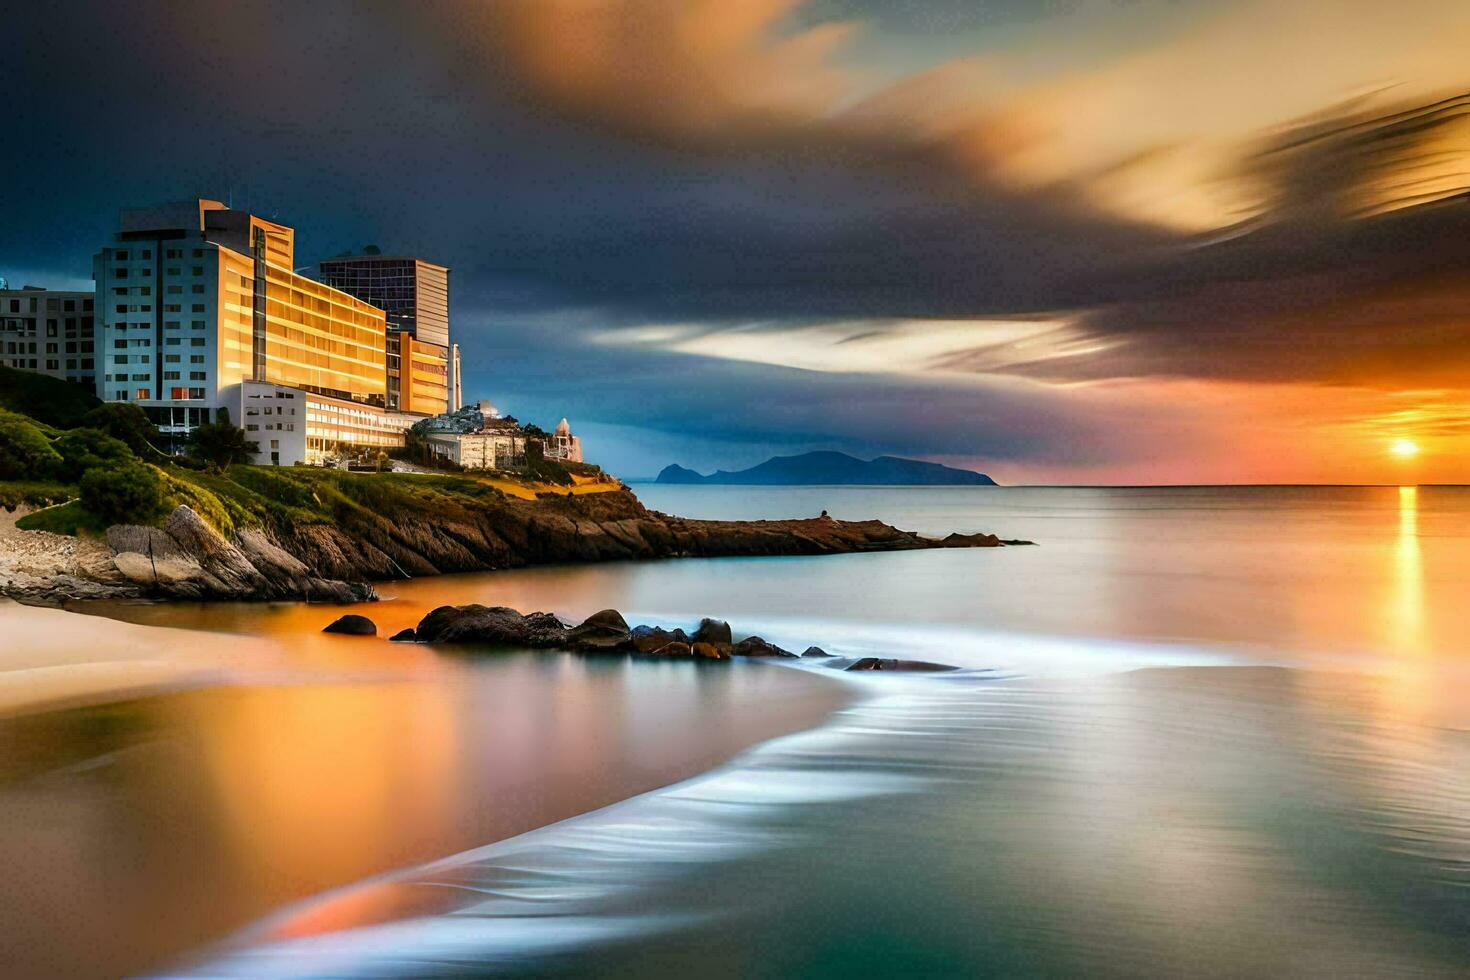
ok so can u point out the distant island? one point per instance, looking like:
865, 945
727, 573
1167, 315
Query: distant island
833, 469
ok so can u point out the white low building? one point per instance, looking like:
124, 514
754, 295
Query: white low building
292, 426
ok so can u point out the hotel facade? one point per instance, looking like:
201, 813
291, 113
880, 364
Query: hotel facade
422, 364
198, 310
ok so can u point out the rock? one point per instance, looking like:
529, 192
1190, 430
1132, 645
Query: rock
880, 663
715, 632
815, 652
652, 639
708, 651
406, 635
604, 631
496, 625
957, 540
675, 649
352, 625
755, 646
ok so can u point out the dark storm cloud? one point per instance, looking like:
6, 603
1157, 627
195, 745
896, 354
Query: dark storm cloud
656, 161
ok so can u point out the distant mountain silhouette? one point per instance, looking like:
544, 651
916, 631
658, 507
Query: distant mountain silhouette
833, 469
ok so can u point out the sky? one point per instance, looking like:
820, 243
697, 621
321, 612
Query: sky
1059, 241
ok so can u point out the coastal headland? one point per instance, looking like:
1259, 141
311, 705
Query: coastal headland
257, 533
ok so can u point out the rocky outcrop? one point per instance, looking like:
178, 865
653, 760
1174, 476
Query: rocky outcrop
186, 558
603, 632
352, 625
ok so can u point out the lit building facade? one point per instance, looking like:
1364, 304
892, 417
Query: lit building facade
49, 332
199, 310
414, 294
193, 300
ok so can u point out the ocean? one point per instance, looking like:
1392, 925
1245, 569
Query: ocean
1201, 731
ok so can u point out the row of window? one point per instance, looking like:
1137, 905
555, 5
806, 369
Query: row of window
53, 305
15, 347
52, 364
143, 394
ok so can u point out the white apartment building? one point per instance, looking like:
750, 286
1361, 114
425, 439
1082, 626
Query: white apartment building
50, 332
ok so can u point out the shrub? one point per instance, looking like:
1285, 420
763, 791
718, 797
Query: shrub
124, 493
85, 449
549, 471
221, 444
125, 421
25, 452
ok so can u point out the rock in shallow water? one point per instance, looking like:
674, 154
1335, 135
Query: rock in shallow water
652, 639
884, 663
708, 651
406, 635
715, 632
815, 652
352, 625
755, 646
604, 631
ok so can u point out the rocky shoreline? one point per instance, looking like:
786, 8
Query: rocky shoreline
186, 558
605, 632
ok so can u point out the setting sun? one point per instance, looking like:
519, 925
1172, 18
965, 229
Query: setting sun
1404, 448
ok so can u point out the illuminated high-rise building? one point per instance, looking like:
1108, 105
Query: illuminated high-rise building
198, 309
415, 296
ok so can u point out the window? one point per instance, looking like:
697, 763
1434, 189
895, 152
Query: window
172, 270
196, 358
69, 305
196, 324
199, 253
119, 273
252, 427
198, 270
53, 366
196, 392
198, 287
180, 393
122, 256
174, 253
171, 324
170, 358
198, 376
170, 375
198, 308
147, 253
172, 308
196, 341
142, 393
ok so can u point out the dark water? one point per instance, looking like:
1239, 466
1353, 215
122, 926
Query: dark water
1220, 732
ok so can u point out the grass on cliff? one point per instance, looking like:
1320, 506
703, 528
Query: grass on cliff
257, 496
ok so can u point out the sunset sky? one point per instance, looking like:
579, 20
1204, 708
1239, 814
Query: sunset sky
1089, 241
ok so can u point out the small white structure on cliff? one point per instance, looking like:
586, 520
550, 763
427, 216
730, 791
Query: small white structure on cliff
563, 445
476, 437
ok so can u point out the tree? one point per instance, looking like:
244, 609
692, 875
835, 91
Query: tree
25, 452
85, 449
124, 493
125, 421
221, 444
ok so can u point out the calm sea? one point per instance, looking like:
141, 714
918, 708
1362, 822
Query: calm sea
1200, 731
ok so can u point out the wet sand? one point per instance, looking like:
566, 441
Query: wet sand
163, 787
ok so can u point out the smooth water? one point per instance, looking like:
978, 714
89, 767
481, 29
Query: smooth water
1203, 731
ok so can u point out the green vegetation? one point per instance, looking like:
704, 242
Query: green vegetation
85, 449
47, 400
106, 470
126, 422
220, 444
25, 450
123, 493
